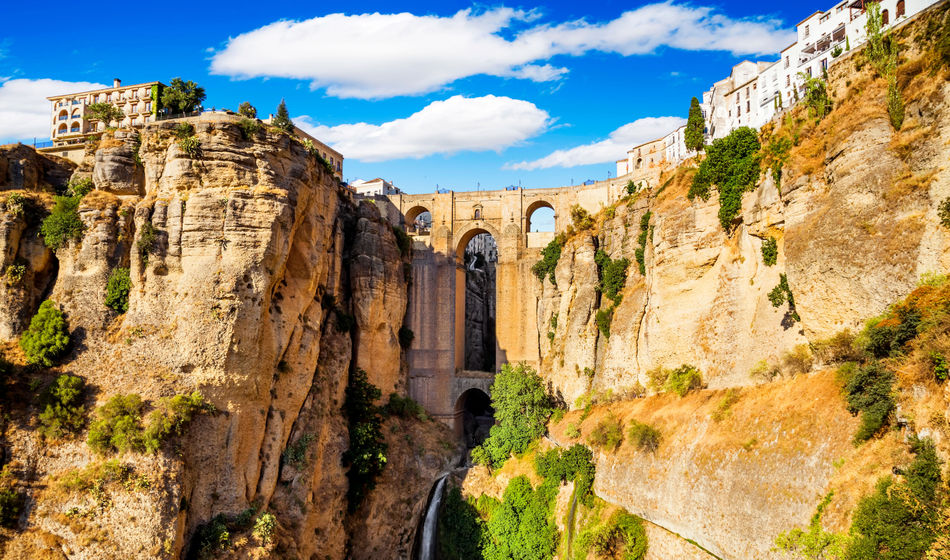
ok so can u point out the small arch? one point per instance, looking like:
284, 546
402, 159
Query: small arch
61, 129
900, 9
418, 220
639, 162
76, 127
540, 216
474, 417
478, 213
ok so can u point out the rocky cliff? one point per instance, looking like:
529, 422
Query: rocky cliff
255, 279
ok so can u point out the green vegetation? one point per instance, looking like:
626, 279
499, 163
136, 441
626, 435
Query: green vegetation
190, 146
403, 241
249, 128
683, 379
573, 431
732, 165
887, 336
47, 337
816, 543
170, 418
573, 464
15, 205
522, 525
898, 521
694, 134
118, 425
622, 537
406, 336
522, 408
296, 453
552, 253
461, 530
63, 412
405, 407
612, 274
104, 112
11, 504
183, 130
642, 241
63, 223
148, 241
312, 149
182, 97
282, 119
881, 52
345, 322
603, 318
264, 527
245, 109
783, 293
941, 366
644, 436
210, 539
80, 187
943, 212
14, 274
607, 434
816, 97
117, 290
581, 218
769, 251
868, 391
366, 456
775, 155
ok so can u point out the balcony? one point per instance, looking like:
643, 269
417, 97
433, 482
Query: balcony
64, 117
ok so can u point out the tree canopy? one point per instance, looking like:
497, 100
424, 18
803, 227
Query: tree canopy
695, 126
247, 110
182, 96
282, 118
104, 112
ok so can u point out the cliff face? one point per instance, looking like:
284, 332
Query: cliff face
245, 262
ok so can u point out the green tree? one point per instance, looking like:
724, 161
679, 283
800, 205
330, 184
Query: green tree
118, 425
366, 456
117, 290
732, 165
522, 526
104, 113
247, 110
64, 412
522, 408
695, 127
182, 96
461, 530
63, 223
282, 118
47, 336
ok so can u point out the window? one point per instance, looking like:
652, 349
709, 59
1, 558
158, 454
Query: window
478, 214
808, 70
823, 18
748, 106
746, 93
148, 106
824, 64
786, 62
739, 111
900, 8
806, 31
788, 80
884, 18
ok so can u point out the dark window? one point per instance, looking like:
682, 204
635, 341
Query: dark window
884, 18
900, 8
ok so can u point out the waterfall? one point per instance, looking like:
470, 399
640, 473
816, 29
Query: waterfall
430, 524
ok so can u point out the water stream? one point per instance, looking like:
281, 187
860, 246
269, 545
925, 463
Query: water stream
430, 524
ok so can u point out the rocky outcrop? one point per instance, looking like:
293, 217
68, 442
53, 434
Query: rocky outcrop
21, 167
116, 168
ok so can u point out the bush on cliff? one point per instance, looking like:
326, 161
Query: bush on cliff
607, 434
868, 392
117, 290
461, 530
63, 223
572, 464
522, 408
613, 274
549, 257
63, 411
522, 525
47, 337
622, 537
118, 425
366, 456
732, 165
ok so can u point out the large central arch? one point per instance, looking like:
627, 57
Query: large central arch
476, 343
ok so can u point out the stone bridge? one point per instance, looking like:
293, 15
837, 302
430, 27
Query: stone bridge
436, 314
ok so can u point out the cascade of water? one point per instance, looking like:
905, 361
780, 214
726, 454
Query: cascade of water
431, 523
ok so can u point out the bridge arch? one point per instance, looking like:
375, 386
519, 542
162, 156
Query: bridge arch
462, 238
423, 215
529, 213
474, 415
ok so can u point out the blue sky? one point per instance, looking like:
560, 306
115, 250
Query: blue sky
453, 94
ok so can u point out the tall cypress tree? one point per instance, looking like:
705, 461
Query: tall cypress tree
282, 118
694, 127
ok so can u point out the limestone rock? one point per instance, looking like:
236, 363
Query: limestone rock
115, 169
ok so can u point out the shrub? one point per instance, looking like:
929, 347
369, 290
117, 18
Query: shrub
118, 425
366, 455
405, 407
406, 336
80, 187
725, 405
148, 241
47, 337
607, 434
895, 103
403, 241
695, 126
886, 336
572, 464
840, 347
245, 109
63, 413
522, 525
184, 130
764, 370
117, 290
896, 521
345, 322
63, 223
816, 543
798, 360
613, 274
783, 293
249, 128
522, 409
461, 530
15, 205
11, 504
171, 417
943, 212
640, 252
644, 436
573, 431
941, 367
775, 155
683, 380
549, 257
190, 146
816, 96
622, 537
868, 392
210, 539
581, 218
14, 274
264, 527
603, 318
769, 251
732, 165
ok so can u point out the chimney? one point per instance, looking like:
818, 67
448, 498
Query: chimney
116, 82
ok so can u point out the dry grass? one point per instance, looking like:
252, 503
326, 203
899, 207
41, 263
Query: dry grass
909, 183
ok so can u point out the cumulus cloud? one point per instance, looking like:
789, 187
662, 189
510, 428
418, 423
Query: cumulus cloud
383, 55
609, 150
442, 127
24, 109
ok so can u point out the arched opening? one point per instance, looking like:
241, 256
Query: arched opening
478, 256
61, 129
884, 17
900, 9
63, 115
539, 217
418, 221
474, 417
478, 213
75, 127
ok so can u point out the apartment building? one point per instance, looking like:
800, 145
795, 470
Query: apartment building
642, 159
373, 187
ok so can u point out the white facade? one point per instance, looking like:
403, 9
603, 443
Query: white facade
70, 122
373, 187
676, 146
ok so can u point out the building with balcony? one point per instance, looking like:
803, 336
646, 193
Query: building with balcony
373, 187
71, 124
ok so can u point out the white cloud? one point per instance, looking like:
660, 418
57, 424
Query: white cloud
383, 55
609, 150
24, 109
442, 127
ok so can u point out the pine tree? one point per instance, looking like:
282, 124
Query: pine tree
694, 127
282, 119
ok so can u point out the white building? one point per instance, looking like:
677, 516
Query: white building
373, 187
